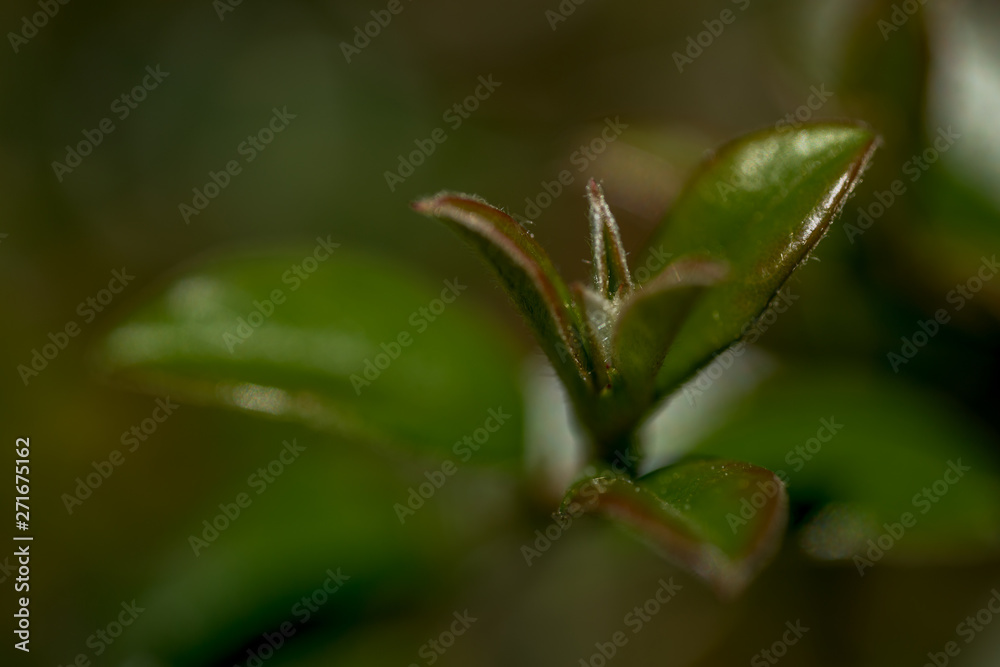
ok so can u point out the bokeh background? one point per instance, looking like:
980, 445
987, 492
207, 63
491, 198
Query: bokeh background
230, 65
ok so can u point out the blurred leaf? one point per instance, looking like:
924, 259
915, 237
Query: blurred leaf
889, 443
694, 512
527, 275
359, 348
891, 97
760, 205
332, 510
945, 247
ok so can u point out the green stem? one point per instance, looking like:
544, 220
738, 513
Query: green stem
621, 453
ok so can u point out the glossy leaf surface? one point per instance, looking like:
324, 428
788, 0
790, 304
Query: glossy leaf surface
760, 205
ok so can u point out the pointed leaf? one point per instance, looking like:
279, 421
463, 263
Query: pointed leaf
611, 274
599, 317
761, 204
694, 511
651, 317
344, 350
527, 275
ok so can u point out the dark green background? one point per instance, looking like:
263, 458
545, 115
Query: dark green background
324, 175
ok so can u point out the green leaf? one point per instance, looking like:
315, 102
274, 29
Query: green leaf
760, 205
333, 509
696, 513
358, 348
599, 315
527, 275
651, 317
886, 442
611, 273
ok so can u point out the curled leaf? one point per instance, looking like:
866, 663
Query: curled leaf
721, 520
526, 274
651, 317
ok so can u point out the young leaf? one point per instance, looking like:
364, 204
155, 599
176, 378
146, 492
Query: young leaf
760, 205
598, 316
695, 513
650, 318
527, 275
344, 350
611, 274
